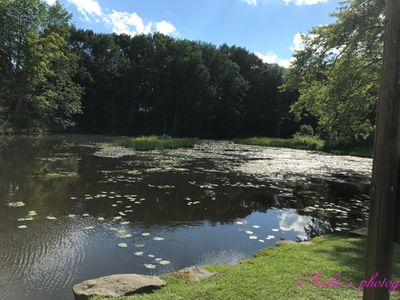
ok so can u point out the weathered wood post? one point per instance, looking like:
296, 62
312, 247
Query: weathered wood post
385, 174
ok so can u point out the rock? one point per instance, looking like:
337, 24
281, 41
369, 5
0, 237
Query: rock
285, 242
193, 274
117, 286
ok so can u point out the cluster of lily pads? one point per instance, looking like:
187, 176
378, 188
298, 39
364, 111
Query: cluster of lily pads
158, 260
254, 237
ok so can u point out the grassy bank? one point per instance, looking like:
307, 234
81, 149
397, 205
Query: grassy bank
304, 143
297, 142
272, 273
146, 143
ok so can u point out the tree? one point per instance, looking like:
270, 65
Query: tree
37, 67
337, 73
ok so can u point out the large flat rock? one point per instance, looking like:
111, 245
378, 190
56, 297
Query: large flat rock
193, 274
117, 286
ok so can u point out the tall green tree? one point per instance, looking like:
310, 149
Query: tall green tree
37, 67
337, 73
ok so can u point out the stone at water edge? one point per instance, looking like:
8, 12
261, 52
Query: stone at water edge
193, 274
285, 242
117, 286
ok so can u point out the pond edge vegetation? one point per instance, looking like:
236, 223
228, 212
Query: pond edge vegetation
272, 272
147, 143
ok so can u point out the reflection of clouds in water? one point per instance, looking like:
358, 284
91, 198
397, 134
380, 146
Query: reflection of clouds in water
290, 220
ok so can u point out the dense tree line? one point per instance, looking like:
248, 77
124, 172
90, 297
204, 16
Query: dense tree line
54, 76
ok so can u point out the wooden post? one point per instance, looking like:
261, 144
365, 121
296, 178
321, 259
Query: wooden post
385, 173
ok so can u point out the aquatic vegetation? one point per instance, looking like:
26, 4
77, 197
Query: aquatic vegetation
51, 218
164, 262
146, 143
149, 266
22, 226
122, 245
16, 204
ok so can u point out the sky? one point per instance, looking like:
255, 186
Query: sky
269, 28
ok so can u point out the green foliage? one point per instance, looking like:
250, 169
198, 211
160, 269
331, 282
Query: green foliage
338, 72
159, 85
304, 142
36, 88
146, 143
306, 130
272, 274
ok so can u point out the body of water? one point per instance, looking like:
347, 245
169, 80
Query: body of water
90, 210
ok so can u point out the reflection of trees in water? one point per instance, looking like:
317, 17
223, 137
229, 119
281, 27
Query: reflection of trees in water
35, 169
27, 162
317, 227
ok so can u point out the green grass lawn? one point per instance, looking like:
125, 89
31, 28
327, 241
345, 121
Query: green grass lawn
272, 272
146, 143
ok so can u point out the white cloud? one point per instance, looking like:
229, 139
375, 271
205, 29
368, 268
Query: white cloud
304, 2
87, 7
272, 58
297, 43
128, 23
51, 2
251, 2
165, 27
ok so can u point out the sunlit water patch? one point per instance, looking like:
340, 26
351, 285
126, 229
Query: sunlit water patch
72, 208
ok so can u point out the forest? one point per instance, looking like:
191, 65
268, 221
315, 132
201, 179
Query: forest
55, 77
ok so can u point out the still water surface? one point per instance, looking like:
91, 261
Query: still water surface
214, 204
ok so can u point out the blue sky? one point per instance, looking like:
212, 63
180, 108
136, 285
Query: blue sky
269, 28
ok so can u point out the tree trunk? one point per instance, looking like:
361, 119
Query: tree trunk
385, 173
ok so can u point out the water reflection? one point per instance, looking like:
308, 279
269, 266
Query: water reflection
216, 203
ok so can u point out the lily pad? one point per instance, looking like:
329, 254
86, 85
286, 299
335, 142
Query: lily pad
149, 266
16, 204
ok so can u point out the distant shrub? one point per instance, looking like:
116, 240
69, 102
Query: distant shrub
306, 130
308, 142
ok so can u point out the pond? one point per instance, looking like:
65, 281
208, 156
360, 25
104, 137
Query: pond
90, 210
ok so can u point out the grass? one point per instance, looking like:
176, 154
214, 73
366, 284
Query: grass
271, 274
304, 142
146, 143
